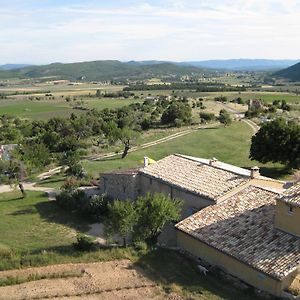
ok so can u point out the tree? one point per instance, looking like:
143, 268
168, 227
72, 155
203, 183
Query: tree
154, 211
127, 137
72, 160
98, 93
224, 117
177, 111
14, 172
122, 217
277, 141
206, 117
34, 154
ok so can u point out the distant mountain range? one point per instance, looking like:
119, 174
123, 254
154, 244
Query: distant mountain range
243, 64
116, 70
292, 73
8, 67
231, 64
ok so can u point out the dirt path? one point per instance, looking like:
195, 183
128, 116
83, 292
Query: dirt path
153, 143
27, 186
50, 173
103, 280
253, 125
241, 116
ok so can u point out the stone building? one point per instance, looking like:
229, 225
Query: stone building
239, 236
246, 224
198, 182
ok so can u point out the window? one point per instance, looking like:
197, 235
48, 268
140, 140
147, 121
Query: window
150, 181
290, 209
261, 276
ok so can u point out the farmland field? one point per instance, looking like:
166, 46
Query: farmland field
45, 109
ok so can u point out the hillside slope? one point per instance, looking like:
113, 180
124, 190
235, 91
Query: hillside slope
102, 70
292, 73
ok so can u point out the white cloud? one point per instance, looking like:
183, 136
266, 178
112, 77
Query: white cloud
170, 30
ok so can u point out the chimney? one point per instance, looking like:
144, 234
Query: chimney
146, 161
213, 161
254, 172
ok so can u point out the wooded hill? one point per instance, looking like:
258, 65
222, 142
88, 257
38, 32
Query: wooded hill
102, 70
292, 73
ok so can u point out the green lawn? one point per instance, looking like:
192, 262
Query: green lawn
230, 144
35, 232
34, 109
35, 223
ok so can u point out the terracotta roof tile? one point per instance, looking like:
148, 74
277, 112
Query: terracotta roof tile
242, 226
195, 176
292, 195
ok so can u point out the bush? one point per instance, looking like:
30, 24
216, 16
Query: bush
84, 243
97, 207
140, 246
205, 117
71, 200
70, 185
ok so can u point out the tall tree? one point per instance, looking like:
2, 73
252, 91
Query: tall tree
13, 172
127, 137
154, 212
122, 217
277, 141
224, 117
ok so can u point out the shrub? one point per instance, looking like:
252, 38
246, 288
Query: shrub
84, 243
71, 200
70, 185
205, 117
140, 246
97, 206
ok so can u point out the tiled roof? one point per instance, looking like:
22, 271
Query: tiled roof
243, 227
195, 175
292, 195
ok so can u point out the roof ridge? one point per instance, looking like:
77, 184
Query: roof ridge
196, 159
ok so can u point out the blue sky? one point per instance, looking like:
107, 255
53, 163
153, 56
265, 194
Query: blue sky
47, 31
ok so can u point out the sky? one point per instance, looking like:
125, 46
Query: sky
45, 31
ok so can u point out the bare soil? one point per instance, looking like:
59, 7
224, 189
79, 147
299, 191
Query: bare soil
104, 280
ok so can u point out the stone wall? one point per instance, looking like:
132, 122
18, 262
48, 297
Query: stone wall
191, 202
119, 186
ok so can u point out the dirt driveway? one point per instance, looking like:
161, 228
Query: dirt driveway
105, 280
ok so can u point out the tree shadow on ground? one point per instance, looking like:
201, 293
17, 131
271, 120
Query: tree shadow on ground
52, 213
275, 172
28, 211
20, 198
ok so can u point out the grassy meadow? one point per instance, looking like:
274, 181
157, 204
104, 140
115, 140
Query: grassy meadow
34, 222
229, 144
